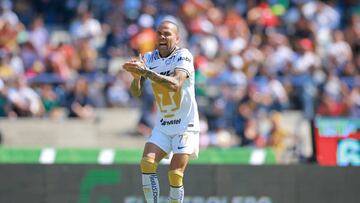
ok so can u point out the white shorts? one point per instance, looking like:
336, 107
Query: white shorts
186, 143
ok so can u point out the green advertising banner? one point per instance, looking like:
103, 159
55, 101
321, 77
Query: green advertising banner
252, 156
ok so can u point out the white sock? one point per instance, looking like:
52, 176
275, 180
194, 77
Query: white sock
176, 194
151, 187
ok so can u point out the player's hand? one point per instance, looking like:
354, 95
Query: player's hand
142, 59
135, 66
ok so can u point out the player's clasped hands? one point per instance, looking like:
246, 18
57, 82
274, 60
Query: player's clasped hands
135, 66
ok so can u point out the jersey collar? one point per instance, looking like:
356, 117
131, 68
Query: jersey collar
170, 55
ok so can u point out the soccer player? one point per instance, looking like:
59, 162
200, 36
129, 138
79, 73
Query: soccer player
171, 72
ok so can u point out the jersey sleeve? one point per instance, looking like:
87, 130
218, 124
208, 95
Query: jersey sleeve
147, 58
184, 61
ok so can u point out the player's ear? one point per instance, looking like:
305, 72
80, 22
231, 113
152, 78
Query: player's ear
177, 39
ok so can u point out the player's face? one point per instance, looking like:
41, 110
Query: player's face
167, 38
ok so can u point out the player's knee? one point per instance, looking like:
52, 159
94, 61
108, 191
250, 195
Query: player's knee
176, 178
148, 165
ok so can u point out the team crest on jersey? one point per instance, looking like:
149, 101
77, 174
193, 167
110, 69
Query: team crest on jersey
168, 101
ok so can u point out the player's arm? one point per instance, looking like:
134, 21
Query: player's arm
138, 81
170, 82
136, 86
138, 67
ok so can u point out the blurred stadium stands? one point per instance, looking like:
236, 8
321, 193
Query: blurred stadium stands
264, 70
277, 82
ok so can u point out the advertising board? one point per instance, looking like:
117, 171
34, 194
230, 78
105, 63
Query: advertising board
84, 183
337, 141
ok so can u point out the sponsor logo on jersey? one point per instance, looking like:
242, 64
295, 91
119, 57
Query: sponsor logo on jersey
184, 59
170, 122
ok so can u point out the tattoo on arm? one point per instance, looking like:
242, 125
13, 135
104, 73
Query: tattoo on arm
171, 82
136, 86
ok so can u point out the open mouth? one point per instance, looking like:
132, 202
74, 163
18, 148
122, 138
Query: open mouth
162, 44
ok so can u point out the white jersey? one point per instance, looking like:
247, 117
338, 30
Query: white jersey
177, 111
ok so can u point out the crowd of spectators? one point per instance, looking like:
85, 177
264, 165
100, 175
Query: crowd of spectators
253, 59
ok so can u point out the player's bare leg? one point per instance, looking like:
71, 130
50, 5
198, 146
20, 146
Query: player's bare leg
151, 157
176, 173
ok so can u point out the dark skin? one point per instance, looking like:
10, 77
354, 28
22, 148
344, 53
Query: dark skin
167, 41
